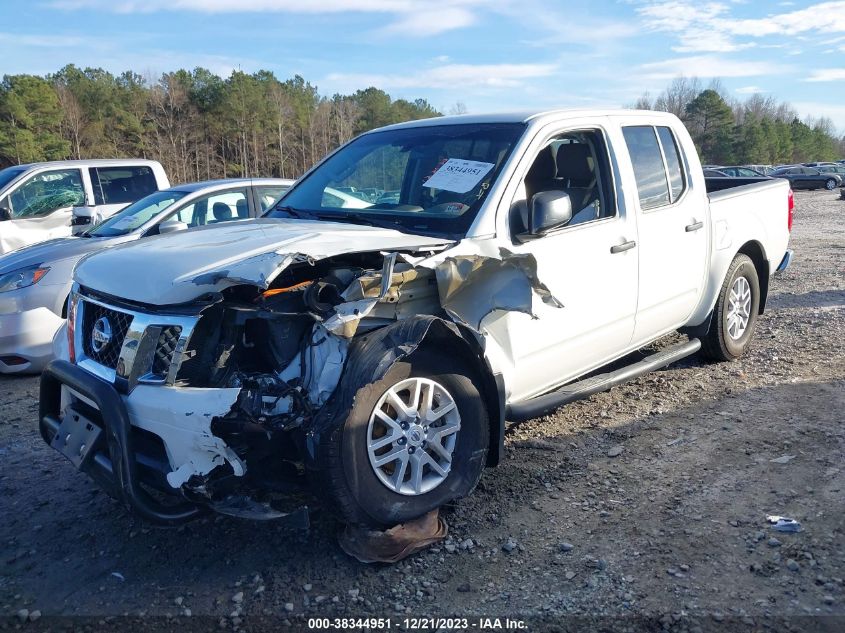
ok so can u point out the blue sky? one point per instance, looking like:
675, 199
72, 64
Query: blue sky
488, 54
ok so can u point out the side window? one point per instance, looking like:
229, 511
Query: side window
652, 185
267, 196
47, 192
122, 185
575, 163
674, 164
221, 206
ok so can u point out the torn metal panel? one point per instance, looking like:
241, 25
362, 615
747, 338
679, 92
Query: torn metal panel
182, 418
325, 358
473, 286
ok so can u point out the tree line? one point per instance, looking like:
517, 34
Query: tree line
202, 126
757, 131
197, 124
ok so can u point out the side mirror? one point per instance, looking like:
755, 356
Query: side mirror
171, 226
548, 210
5, 214
82, 219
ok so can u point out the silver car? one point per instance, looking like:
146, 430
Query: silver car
35, 281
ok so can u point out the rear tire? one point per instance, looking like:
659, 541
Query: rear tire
735, 314
830, 184
363, 493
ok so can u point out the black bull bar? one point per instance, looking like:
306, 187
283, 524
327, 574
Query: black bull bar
109, 457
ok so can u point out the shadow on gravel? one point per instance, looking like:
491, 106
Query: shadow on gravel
69, 549
812, 299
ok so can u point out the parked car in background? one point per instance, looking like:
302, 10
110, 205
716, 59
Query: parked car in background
41, 201
376, 352
837, 169
741, 172
763, 169
800, 177
715, 173
35, 281
817, 164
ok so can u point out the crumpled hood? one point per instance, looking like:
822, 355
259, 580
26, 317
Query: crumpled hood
179, 267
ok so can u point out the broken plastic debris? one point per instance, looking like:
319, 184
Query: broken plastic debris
783, 459
391, 546
783, 524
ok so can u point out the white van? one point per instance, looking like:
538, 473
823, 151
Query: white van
42, 201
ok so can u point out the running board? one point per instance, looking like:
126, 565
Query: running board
541, 405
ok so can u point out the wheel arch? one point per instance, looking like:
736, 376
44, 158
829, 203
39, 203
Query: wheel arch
757, 254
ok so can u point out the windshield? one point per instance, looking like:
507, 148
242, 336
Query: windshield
429, 180
137, 214
9, 174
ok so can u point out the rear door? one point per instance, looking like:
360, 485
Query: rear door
118, 186
672, 229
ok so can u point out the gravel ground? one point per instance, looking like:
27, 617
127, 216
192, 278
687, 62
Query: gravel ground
648, 501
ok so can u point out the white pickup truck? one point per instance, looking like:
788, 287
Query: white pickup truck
43, 201
376, 351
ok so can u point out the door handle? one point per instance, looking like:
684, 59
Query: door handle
694, 227
621, 248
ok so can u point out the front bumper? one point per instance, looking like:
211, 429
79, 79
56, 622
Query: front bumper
156, 437
100, 441
26, 340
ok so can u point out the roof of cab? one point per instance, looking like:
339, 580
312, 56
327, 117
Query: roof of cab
523, 117
94, 162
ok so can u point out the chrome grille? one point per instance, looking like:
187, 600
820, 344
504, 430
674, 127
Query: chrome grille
144, 347
165, 346
119, 323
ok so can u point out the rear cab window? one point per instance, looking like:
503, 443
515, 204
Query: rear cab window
122, 185
658, 165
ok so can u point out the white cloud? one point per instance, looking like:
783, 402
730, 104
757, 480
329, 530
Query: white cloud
425, 24
749, 90
827, 74
708, 66
448, 76
711, 26
824, 17
416, 18
237, 6
692, 24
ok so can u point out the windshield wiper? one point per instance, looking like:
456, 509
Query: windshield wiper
297, 213
357, 218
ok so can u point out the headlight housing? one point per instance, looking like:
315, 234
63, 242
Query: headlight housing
22, 278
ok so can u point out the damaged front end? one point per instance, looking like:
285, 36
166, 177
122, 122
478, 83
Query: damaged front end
221, 392
216, 403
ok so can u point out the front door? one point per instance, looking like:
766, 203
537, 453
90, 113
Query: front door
589, 265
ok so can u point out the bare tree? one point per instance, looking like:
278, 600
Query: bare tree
459, 107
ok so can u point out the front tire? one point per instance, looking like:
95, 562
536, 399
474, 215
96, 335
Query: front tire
412, 442
830, 184
735, 314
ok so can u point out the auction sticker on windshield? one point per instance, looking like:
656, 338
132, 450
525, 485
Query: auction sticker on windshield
459, 175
